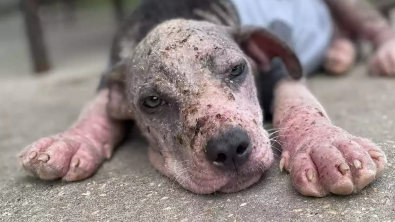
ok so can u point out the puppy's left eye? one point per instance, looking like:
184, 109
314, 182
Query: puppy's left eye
237, 70
153, 102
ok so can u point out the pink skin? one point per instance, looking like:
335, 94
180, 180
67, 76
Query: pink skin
196, 173
78, 152
202, 102
321, 157
206, 106
177, 147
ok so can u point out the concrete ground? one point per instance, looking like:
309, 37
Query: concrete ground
127, 188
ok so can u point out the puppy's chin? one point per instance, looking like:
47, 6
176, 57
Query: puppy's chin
226, 183
239, 183
206, 179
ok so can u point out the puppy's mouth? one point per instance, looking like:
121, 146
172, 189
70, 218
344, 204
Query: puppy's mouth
227, 183
205, 179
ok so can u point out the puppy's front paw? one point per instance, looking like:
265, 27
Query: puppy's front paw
67, 157
337, 163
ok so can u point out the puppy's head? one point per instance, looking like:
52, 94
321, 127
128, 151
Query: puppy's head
190, 86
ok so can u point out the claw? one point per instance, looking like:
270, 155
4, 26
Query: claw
282, 163
32, 154
357, 164
344, 168
43, 158
75, 162
375, 154
310, 174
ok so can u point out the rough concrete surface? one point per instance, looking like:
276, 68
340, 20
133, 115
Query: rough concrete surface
127, 188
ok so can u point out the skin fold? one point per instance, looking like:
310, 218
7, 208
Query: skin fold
321, 157
76, 153
186, 83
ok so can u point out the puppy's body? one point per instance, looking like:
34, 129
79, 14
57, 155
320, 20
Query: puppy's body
189, 84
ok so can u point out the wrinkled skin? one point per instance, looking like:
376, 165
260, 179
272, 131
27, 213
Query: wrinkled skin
76, 153
321, 157
202, 100
187, 65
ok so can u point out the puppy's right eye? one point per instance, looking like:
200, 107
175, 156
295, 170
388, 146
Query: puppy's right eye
237, 70
153, 102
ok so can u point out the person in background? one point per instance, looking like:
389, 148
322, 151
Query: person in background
321, 32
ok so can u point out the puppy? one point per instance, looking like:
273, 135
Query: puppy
185, 72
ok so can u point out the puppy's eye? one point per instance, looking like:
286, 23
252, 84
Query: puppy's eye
153, 102
237, 70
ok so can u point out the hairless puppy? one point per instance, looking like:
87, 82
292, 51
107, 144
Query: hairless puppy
185, 72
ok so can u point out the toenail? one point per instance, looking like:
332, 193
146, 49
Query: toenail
310, 174
375, 154
75, 162
344, 168
32, 154
43, 158
357, 164
282, 162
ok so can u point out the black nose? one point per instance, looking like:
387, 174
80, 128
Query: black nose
229, 150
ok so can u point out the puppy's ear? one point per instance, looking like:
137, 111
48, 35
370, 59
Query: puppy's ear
114, 80
113, 75
262, 46
116, 74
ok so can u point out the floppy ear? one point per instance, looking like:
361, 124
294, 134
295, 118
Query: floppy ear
262, 46
114, 80
117, 74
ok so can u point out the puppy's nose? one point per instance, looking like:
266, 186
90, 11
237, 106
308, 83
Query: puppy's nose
229, 150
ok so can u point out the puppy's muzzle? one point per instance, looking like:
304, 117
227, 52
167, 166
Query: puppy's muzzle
230, 149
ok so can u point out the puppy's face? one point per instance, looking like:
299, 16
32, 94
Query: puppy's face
192, 93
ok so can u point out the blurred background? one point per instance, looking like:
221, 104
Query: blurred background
37, 36
71, 40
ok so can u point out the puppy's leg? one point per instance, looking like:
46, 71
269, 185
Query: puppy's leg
76, 153
321, 157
